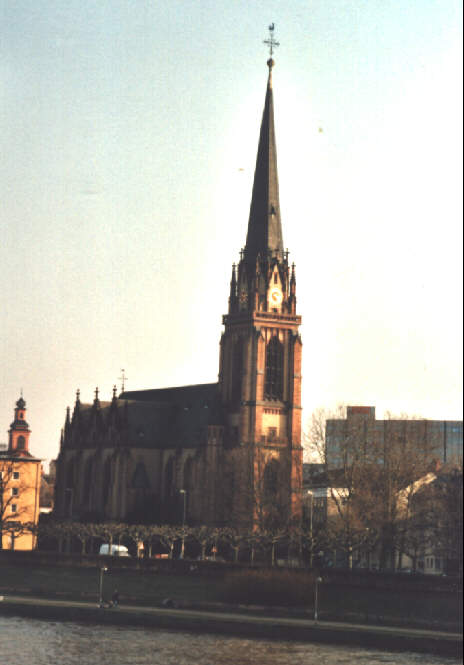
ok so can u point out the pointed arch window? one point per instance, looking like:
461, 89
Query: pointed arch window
87, 480
140, 477
169, 480
271, 480
274, 383
106, 480
237, 370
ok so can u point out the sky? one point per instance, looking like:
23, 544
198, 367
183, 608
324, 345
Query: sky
128, 144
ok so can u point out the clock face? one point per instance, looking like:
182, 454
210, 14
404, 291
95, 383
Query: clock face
275, 297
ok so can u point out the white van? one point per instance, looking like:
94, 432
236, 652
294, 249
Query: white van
116, 550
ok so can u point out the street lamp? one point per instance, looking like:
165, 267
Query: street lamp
317, 581
102, 570
310, 494
182, 549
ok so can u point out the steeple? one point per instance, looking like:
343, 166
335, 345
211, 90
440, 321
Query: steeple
260, 360
19, 431
264, 226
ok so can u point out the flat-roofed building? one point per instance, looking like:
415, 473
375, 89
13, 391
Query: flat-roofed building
437, 439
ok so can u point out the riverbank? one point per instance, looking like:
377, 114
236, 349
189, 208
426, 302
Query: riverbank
238, 624
214, 587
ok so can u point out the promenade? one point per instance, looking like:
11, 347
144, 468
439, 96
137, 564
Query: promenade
236, 623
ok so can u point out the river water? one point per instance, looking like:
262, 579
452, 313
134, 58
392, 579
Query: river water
34, 642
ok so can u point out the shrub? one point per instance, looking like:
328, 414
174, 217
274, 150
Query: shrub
269, 587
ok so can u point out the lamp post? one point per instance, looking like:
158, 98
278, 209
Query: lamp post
102, 570
182, 549
317, 581
310, 494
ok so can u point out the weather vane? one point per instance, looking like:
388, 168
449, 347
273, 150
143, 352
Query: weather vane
271, 42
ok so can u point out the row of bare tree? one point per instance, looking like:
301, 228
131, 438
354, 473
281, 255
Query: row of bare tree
206, 541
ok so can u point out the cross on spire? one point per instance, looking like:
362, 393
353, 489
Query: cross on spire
271, 42
123, 379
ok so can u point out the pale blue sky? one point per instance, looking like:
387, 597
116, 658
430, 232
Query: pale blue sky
129, 135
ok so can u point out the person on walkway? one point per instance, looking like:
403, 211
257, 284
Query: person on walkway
115, 598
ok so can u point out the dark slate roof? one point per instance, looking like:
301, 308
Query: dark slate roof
166, 417
264, 225
173, 417
184, 395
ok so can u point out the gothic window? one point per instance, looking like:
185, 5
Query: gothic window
188, 475
87, 480
169, 480
21, 443
237, 370
106, 480
271, 475
140, 478
188, 486
274, 384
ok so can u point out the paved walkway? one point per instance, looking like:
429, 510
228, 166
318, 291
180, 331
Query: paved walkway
238, 624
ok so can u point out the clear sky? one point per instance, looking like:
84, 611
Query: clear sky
128, 139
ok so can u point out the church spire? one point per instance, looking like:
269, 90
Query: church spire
264, 226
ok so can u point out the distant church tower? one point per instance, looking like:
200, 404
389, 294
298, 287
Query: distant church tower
19, 432
260, 359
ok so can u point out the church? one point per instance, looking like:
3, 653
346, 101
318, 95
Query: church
219, 454
20, 481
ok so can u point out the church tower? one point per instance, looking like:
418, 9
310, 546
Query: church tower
260, 358
19, 432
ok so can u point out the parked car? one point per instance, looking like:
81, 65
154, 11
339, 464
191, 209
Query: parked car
116, 550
